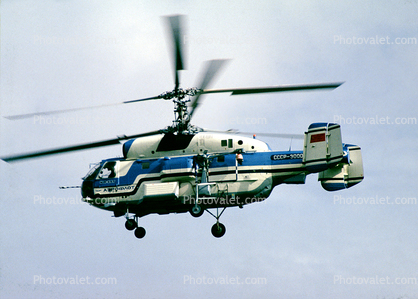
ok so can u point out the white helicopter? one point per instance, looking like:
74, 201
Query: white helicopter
183, 168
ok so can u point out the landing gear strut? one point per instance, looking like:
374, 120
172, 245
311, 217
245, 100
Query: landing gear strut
218, 229
132, 224
201, 162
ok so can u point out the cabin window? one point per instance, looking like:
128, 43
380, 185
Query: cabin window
230, 144
109, 170
224, 143
240, 142
145, 165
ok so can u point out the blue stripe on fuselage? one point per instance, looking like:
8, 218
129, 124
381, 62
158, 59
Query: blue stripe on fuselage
155, 166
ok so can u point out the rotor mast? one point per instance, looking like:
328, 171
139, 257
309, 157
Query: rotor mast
181, 98
181, 121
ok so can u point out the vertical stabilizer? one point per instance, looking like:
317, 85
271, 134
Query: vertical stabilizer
323, 146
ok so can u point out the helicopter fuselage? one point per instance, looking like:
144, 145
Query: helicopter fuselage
237, 171
173, 184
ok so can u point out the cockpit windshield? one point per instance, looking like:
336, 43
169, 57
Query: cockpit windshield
108, 170
94, 170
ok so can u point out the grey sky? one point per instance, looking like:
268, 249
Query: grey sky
302, 242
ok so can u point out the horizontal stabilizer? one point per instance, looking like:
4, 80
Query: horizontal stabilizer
346, 174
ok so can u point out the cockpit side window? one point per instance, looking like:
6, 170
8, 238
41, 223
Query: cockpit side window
108, 171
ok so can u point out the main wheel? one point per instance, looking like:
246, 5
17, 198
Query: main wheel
140, 232
218, 230
130, 224
196, 211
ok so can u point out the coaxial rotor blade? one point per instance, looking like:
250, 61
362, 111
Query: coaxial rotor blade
212, 68
280, 88
29, 115
177, 33
76, 147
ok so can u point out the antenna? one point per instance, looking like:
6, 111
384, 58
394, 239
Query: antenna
290, 146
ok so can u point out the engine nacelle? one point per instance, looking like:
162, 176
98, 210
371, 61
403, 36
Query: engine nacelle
347, 173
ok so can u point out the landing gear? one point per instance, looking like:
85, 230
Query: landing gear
140, 232
132, 224
218, 230
196, 211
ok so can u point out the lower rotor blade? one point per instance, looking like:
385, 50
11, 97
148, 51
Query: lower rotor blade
280, 88
29, 115
141, 100
76, 147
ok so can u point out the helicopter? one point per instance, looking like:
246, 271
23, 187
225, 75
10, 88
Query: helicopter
183, 168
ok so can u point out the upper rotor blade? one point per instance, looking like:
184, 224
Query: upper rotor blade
177, 32
280, 88
76, 147
212, 68
28, 115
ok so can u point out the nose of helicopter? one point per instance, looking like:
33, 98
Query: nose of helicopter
87, 189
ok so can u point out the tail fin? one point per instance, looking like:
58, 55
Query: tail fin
346, 174
323, 146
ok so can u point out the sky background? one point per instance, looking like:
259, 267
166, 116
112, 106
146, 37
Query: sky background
302, 242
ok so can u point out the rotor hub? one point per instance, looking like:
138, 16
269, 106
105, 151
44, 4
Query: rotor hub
180, 98
180, 93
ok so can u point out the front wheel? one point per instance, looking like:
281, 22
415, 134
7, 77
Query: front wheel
130, 224
140, 232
